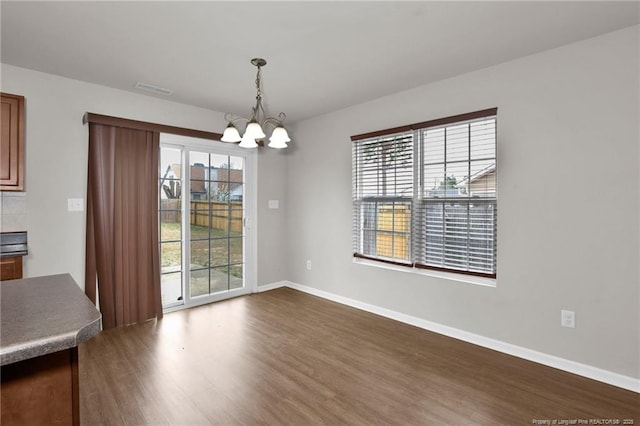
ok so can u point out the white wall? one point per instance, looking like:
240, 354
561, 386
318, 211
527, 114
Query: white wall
568, 204
272, 243
56, 165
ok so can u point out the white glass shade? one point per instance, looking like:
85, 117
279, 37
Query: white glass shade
248, 141
231, 134
254, 131
279, 138
277, 144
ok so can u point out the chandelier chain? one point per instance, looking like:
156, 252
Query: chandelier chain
259, 92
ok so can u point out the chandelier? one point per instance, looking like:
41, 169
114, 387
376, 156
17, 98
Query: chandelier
254, 129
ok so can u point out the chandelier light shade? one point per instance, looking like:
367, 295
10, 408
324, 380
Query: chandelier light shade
279, 138
231, 134
248, 142
258, 123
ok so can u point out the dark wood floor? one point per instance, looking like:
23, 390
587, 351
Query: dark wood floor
285, 357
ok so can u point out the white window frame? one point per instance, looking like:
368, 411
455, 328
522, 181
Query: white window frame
186, 144
419, 201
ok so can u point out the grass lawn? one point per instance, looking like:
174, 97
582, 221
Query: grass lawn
209, 246
212, 250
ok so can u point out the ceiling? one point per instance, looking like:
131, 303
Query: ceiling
322, 56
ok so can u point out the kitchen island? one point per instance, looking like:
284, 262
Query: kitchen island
43, 320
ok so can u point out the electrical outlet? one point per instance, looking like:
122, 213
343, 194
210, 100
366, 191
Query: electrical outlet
568, 319
309, 264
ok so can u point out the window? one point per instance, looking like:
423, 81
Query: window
424, 195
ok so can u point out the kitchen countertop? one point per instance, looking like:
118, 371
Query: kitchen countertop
43, 315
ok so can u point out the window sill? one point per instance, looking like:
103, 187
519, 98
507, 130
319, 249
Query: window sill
470, 279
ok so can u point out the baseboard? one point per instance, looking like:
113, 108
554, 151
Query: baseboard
584, 370
267, 287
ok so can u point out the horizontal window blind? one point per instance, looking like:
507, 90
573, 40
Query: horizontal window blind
383, 173
426, 195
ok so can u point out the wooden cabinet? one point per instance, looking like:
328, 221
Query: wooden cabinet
44, 319
41, 391
12, 143
10, 268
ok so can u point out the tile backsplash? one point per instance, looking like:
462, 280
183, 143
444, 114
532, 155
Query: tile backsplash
13, 211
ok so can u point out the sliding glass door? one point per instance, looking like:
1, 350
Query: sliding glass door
216, 217
171, 185
203, 222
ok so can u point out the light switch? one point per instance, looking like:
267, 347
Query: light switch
274, 204
75, 204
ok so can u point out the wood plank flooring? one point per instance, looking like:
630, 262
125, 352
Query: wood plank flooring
286, 357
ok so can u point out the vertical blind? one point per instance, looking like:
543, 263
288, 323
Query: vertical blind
424, 195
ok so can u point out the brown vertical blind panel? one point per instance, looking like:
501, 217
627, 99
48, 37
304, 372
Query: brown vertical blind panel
143, 125
122, 224
431, 123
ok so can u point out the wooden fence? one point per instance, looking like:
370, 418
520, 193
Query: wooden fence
392, 238
214, 214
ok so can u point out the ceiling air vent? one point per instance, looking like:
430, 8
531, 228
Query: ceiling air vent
153, 89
